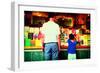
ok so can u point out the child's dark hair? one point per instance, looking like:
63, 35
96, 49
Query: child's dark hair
71, 36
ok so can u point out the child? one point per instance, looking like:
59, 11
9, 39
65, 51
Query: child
71, 47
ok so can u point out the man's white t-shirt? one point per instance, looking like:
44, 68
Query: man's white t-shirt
51, 31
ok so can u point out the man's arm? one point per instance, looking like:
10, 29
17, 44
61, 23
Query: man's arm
58, 37
59, 42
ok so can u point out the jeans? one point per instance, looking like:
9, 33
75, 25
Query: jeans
51, 51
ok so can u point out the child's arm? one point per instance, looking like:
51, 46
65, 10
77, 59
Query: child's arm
77, 38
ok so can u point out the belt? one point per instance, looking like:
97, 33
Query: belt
50, 42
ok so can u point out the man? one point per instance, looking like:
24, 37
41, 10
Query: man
51, 33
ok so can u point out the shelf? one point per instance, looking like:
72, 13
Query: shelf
77, 47
33, 47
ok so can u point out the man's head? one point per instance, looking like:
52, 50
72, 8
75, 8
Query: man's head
51, 19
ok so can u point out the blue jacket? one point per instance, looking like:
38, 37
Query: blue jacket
71, 46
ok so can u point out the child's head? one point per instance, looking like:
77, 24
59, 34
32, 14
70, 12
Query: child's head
71, 37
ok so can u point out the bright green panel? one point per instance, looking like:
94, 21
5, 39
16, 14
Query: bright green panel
27, 42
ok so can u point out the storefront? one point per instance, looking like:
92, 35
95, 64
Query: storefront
78, 24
